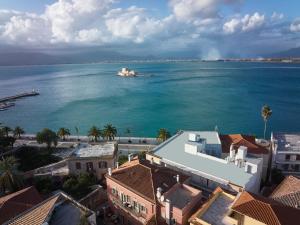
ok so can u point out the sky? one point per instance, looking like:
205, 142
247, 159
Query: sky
207, 29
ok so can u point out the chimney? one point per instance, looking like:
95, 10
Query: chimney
129, 157
158, 192
168, 211
117, 165
109, 171
177, 178
232, 152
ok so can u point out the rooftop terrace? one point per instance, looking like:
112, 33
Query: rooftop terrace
215, 209
85, 150
181, 195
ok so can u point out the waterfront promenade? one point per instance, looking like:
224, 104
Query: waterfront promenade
126, 145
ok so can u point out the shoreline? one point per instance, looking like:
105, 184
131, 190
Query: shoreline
273, 60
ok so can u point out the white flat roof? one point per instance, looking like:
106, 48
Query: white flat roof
173, 151
107, 149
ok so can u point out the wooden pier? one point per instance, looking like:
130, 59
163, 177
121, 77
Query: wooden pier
17, 96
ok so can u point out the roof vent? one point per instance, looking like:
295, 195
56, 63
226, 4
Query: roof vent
194, 137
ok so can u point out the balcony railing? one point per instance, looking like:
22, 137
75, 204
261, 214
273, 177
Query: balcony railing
129, 208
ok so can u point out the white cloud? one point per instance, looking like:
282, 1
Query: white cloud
252, 22
231, 26
131, 23
246, 23
90, 36
277, 16
188, 10
295, 26
192, 24
27, 28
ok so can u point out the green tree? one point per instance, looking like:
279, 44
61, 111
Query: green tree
48, 137
163, 134
79, 186
9, 178
63, 132
6, 130
110, 132
7, 141
266, 112
18, 131
84, 220
94, 132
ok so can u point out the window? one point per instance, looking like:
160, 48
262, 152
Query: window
298, 157
287, 157
102, 164
89, 166
285, 166
114, 191
78, 166
143, 209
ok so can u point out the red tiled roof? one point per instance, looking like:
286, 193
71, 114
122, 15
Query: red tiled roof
241, 140
13, 204
144, 178
288, 192
36, 216
265, 210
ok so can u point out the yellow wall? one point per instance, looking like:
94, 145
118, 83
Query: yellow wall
251, 221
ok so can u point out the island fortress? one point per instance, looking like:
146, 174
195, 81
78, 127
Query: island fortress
200, 156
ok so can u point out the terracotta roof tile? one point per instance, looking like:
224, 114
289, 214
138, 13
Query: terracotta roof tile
241, 140
144, 178
265, 210
288, 192
13, 204
36, 216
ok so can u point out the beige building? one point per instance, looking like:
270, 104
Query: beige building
93, 158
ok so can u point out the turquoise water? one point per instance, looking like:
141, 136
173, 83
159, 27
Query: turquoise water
174, 95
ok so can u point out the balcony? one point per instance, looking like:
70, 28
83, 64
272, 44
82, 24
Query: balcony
128, 208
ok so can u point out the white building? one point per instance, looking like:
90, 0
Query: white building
286, 152
198, 154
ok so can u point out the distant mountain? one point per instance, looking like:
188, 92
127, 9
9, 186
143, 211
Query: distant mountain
293, 52
15, 58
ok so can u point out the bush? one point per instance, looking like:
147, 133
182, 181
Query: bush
79, 186
44, 184
122, 159
30, 158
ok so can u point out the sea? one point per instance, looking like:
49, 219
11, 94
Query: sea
178, 95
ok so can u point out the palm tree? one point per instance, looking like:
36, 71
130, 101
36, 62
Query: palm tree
48, 137
128, 132
9, 178
94, 132
6, 130
266, 112
77, 132
63, 132
110, 132
18, 131
163, 134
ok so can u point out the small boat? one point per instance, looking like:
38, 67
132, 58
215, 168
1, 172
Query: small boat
125, 72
